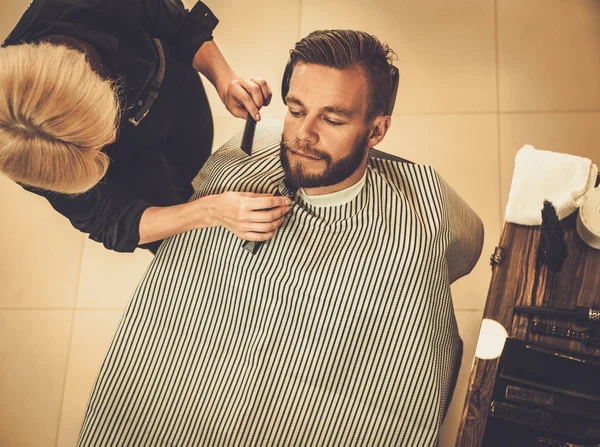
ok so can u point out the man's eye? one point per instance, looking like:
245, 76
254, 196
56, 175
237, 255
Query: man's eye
294, 113
332, 123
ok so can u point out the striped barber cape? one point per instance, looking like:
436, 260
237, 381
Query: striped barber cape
339, 331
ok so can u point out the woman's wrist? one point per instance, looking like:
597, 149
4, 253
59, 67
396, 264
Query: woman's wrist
205, 211
211, 63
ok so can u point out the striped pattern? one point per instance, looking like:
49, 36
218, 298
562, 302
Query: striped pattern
340, 331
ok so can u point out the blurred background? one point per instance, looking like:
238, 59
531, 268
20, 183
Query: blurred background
478, 80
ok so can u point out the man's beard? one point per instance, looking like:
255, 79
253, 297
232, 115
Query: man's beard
335, 171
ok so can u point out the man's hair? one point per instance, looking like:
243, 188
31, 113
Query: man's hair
343, 49
56, 114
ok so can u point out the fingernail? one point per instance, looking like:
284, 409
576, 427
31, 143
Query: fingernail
257, 117
288, 202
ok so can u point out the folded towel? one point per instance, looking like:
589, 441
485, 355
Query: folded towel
562, 179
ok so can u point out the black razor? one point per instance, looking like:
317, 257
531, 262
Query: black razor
248, 136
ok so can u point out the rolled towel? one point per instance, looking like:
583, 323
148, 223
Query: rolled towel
562, 179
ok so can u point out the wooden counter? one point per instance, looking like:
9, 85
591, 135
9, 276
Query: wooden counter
522, 280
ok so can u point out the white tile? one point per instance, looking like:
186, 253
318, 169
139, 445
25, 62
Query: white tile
109, 278
225, 128
469, 323
11, 13
548, 55
33, 361
92, 333
41, 251
446, 51
255, 39
464, 150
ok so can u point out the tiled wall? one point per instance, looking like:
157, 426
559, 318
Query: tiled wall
479, 78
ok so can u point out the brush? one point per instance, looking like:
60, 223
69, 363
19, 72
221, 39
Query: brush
552, 249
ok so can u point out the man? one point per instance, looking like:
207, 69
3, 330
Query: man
340, 330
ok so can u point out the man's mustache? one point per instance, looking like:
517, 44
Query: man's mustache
304, 149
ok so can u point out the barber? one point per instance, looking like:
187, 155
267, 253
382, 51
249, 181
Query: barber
102, 112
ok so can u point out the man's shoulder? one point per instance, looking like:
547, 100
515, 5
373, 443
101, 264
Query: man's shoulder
406, 174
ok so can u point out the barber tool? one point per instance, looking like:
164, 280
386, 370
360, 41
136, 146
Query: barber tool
581, 313
555, 443
552, 250
554, 401
551, 421
248, 136
588, 219
284, 189
589, 337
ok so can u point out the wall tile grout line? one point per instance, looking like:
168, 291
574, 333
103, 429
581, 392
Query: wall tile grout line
120, 309
300, 5
71, 330
498, 115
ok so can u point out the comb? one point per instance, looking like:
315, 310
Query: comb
248, 136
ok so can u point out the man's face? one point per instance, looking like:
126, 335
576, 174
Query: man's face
325, 135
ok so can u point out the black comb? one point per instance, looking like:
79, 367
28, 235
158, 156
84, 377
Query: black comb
248, 136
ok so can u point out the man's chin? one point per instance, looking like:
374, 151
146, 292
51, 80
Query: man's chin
301, 177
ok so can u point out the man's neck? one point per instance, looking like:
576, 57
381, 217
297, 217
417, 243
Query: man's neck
336, 198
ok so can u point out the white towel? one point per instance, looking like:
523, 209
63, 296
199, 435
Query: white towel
562, 179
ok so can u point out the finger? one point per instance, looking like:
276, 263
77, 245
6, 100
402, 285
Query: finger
252, 98
236, 107
257, 237
260, 227
254, 194
265, 89
265, 203
271, 215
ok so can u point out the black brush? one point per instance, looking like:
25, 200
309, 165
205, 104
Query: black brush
248, 136
552, 250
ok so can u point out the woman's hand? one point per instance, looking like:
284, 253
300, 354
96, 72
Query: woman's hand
250, 216
242, 96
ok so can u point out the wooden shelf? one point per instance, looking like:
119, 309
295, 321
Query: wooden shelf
522, 280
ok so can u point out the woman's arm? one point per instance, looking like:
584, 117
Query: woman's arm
250, 216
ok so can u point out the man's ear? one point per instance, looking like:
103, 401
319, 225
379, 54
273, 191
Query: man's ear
379, 128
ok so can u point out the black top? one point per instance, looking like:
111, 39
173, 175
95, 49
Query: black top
121, 31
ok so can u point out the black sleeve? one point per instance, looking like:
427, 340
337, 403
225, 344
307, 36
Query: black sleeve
118, 228
184, 31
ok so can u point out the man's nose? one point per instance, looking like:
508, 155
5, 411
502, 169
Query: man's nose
308, 130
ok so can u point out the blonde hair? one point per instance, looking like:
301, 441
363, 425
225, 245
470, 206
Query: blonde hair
56, 114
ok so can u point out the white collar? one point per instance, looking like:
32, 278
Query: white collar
335, 198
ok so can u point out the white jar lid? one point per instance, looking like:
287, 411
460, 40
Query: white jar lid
588, 219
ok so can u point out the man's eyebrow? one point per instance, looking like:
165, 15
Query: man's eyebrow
294, 100
329, 109
340, 111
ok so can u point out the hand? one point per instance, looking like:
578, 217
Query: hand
242, 96
250, 216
